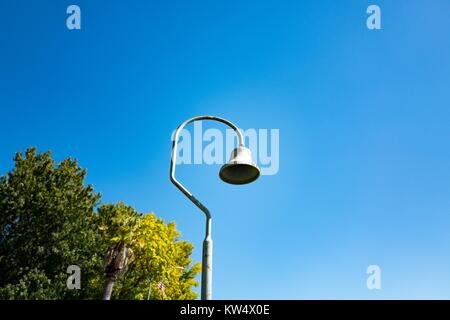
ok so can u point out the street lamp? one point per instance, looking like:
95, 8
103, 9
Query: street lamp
239, 170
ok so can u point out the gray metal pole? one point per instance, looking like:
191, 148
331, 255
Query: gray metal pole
207, 263
206, 293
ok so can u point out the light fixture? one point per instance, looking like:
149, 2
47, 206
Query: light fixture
240, 169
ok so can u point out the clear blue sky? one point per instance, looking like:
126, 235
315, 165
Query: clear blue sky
363, 116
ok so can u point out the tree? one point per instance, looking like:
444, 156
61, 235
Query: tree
47, 222
118, 224
116, 262
157, 254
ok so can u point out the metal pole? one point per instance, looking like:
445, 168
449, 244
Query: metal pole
206, 293
207, 263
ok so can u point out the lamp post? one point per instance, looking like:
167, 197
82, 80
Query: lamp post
239, 170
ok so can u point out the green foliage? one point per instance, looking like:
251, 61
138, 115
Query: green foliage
157, 254
48, 221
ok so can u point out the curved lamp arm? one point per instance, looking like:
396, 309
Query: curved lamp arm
174, 157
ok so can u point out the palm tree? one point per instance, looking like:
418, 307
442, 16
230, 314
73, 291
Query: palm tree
115, 263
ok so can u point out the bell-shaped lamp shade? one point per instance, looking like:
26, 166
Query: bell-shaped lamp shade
240, 169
